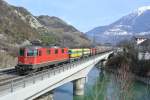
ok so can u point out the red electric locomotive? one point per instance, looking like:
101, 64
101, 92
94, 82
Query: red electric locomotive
35, 57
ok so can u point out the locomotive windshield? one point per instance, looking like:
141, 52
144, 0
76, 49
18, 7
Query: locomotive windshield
21, 53
31, 52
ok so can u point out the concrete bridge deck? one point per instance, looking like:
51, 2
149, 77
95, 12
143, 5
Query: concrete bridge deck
32, 87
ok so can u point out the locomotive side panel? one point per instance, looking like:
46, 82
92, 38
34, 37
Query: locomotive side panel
50, 56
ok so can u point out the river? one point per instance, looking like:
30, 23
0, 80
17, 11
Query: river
104, 86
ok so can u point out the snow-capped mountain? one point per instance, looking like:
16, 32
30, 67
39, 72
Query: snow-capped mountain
141, 10
135, 23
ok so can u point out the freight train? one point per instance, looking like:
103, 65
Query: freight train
37, 57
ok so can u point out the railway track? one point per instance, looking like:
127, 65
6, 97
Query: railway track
7, 76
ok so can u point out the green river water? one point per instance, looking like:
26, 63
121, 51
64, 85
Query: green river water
105, 86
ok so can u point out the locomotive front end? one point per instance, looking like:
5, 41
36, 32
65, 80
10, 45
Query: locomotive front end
26, 60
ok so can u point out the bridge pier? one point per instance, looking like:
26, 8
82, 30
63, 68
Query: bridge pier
102, 63
78, 86
47, 96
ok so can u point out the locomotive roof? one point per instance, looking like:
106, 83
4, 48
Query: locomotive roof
37, 47
32, 47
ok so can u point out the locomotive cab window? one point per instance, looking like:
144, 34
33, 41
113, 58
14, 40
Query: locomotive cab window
21, 52
56, 51
63, 50
32, 52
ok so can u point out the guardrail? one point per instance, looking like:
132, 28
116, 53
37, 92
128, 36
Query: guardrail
14, 85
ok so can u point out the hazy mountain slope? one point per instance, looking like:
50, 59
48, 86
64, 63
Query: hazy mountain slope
12, 26
55, 22
66, 34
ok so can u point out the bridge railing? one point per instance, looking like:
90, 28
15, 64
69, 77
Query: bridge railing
16, 84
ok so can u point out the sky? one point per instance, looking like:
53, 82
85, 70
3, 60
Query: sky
83, 14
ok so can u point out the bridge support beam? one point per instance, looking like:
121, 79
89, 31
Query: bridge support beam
102, 64
78, 86
47, 96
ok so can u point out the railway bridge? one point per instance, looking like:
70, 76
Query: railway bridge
34, 86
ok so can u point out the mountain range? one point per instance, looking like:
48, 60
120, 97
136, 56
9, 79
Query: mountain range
137, 23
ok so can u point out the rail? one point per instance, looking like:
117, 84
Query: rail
16, 84
7, 69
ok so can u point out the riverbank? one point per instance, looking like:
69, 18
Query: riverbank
132, 76
127, 64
